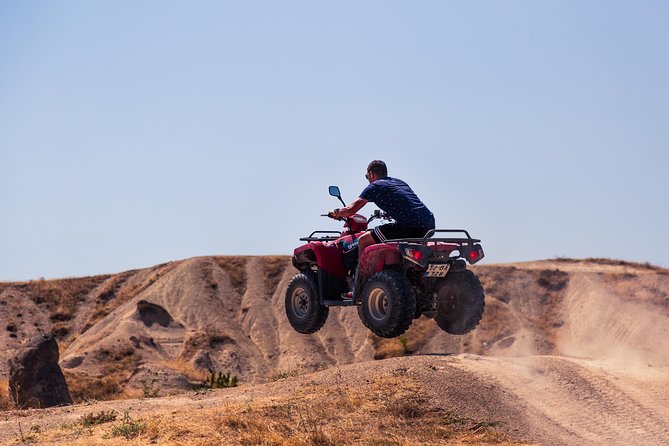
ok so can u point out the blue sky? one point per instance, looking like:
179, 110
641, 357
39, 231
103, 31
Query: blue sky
134, 133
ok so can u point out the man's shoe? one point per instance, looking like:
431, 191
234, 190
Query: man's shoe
347, 296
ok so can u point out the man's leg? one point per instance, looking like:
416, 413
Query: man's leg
364, 241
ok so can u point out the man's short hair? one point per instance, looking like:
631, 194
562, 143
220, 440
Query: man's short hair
378, 167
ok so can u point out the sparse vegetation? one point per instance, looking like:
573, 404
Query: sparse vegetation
128, 428
283, 374
61, 297
406, 344
185, 368
221, 380
84, 387
553, 279
388, 348
390, 410
150, 389
118, 364
93, 419
614, 262
28, 437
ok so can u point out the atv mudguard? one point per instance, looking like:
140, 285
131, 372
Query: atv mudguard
328, 256
375, 258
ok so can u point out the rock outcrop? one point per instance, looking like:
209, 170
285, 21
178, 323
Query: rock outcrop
35, 378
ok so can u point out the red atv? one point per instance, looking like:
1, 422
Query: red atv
400, 280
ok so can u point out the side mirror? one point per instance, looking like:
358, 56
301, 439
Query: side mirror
334, 191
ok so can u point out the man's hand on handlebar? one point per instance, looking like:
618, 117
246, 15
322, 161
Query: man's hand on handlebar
334, 214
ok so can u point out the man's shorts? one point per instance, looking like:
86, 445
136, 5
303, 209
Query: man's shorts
392, 231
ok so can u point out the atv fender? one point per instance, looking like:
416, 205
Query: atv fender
328, 256
375, 258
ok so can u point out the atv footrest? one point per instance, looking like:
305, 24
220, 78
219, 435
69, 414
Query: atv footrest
339, 303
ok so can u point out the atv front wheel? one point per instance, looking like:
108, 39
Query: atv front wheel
388, 304
460, 303
303, 309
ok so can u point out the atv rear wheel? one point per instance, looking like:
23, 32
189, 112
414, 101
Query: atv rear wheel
460, 303
388, 304
303, 309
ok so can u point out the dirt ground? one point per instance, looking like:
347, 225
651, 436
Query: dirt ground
466, 398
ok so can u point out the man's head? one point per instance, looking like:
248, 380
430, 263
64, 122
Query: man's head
376, 169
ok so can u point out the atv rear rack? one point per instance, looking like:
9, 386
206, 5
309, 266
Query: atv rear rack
428, 238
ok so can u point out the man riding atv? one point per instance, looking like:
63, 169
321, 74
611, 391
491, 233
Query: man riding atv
395, 198
410, 270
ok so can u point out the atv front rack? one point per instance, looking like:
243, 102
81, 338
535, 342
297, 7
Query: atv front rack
326, 238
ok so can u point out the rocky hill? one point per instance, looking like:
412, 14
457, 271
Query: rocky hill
170, 324
569, 352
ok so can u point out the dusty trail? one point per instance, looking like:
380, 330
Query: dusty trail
571, 401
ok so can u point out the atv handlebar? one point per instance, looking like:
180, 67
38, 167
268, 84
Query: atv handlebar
334, 218
376, 214
380, 215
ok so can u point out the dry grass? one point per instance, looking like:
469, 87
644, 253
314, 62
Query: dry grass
5, 402
184, 367
84, 387
119, 363
615, 262
61, 298
93, 419
408, 343
388, 410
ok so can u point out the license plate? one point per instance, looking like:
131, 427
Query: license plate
437, 270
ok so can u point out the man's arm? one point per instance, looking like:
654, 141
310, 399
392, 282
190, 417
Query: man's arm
349, 210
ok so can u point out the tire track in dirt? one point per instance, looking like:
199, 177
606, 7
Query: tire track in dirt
577, 401
643, 422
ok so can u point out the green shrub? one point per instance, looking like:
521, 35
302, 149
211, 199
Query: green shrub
93, 419
128, 428
220, 380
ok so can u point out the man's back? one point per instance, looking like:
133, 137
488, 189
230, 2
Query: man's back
395, 197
